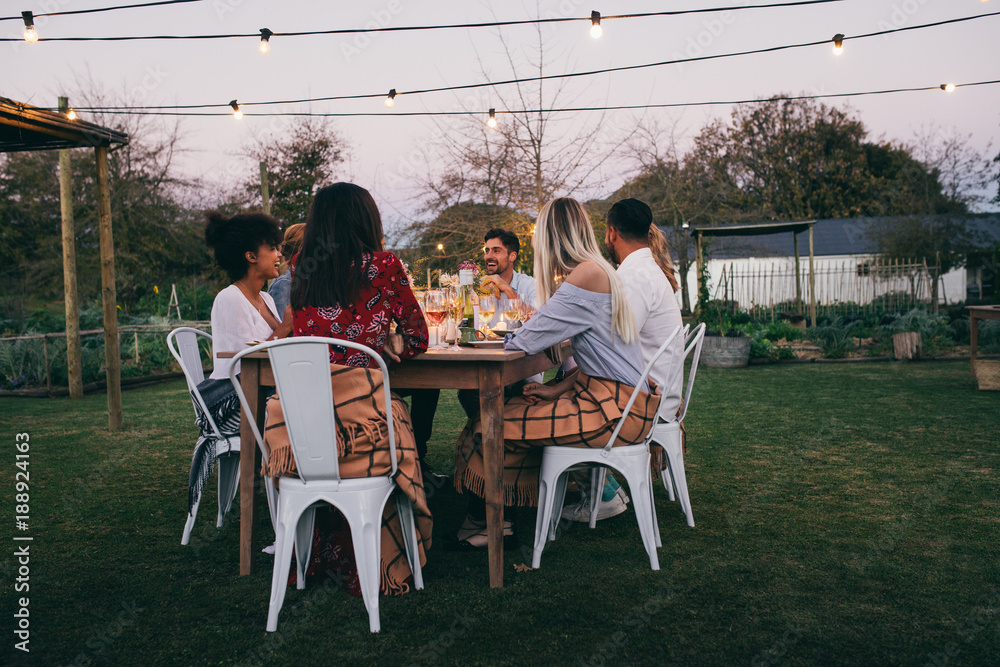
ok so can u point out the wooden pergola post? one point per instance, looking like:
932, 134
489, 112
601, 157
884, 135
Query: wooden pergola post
798, 272
812, 279
699, 264
74, 364
112, 355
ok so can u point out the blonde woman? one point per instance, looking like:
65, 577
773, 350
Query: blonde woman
581, 298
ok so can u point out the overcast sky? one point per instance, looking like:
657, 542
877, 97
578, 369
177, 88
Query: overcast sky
216, 71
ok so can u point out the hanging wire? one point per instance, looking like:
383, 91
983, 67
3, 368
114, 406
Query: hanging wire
350, 31
547, 77
105, 9
779, 98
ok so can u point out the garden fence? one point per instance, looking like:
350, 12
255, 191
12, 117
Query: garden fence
39, 360
873, 285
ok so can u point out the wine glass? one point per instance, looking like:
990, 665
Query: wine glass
456, 311
512, 312
487, 306
436, 310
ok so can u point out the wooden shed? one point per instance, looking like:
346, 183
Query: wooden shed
27, 128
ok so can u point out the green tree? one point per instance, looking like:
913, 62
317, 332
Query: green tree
158, 239
301, 157
459, 231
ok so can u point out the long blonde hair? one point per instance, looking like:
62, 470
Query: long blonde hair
564, 238
661, 255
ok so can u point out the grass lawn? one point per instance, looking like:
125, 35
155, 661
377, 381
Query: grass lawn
846, 514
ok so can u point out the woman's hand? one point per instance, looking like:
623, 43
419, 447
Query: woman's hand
393, 347
535, 392
284, 329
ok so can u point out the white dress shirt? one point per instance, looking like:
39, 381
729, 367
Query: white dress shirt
236, 322
657, 314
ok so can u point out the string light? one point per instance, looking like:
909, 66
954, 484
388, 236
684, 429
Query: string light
265, 44
492, 120
30, 35
390, 99
440, 246
237, 114
71, 114
595, 25
948, 87
838, 43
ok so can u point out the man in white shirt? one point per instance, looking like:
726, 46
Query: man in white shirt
650, 292
657, 314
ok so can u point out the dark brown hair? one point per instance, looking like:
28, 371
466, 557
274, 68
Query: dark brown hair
343, 225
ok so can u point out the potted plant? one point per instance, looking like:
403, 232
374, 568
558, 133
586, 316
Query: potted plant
725, 346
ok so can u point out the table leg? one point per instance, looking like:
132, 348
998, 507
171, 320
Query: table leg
973, 341
491, 413
250, 383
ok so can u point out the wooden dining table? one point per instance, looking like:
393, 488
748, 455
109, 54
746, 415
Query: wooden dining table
487, 370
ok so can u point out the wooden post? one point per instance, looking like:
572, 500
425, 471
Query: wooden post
906, 345
265, 190
812, 280
699, 265
45, 354
112, 354
798, 273
135, 340
74, 364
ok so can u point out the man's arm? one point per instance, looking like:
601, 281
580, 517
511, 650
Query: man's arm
499, 285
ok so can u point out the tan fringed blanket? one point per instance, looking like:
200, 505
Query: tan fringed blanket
363, 448
583, 417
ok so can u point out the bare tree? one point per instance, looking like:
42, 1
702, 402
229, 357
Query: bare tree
531, 156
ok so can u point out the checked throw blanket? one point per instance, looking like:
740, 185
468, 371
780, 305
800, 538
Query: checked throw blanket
582, 417
363, 449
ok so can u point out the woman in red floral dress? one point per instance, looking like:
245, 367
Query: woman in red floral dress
344, 285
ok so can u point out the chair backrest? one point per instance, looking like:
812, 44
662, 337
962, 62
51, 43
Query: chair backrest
692, 344
183, 344
642, 380
301, 368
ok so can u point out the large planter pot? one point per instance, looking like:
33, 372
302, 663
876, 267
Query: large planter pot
725, 351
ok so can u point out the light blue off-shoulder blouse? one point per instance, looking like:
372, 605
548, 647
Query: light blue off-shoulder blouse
584, 317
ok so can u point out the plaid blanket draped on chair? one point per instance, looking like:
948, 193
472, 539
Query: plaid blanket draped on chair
363, 449
583, 417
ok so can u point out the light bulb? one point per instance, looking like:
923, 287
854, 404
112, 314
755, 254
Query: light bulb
30, 34
265, 44
390, 99
492, 120
440, 246
948, 87
71, 114
237, 114
838, 44
595, 25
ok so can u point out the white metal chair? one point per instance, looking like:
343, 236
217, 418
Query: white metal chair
183, 344
666, 433
632, 461
301, 369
